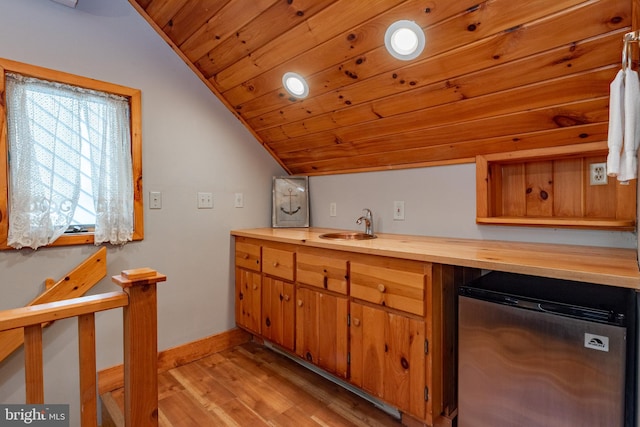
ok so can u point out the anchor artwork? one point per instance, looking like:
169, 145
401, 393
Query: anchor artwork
290, 201
291, 211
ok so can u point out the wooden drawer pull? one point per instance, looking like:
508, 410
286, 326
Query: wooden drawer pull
356, 321
299, 303
255, 287
381, 288
275, 264
246, 256
286, 297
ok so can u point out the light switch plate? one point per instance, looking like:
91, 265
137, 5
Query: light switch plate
205, 200
238, 200
155, 200
398, 211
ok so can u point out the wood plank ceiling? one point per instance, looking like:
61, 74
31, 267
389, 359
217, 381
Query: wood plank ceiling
495, 76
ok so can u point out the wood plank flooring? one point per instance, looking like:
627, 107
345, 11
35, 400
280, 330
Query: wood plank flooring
250, 385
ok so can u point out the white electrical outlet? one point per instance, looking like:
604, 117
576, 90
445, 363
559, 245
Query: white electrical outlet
332, 209
205, 200
155, 200
398, 211
598, 174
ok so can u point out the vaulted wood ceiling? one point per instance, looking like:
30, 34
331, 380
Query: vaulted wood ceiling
495, 76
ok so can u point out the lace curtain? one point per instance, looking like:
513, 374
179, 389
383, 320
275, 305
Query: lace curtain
48, 124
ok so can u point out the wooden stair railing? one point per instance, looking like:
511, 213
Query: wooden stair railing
139, 303
74, 284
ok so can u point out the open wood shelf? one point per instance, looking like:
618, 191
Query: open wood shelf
551, 188
603, 223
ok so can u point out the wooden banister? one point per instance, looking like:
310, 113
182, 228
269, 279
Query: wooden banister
138, 300
52, 311
74, 284
30, 320
140, 346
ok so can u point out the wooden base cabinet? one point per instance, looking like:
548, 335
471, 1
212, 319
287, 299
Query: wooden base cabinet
388, 357
321, 329
248, 299
278, 312
248, 284
384, 324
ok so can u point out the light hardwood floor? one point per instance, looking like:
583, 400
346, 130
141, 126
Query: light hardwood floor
251, 386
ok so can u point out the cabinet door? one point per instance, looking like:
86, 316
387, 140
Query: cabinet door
388, 357
248, 291
321, 329
278, 310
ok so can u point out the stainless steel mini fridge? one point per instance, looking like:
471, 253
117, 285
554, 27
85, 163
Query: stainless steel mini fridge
526, 361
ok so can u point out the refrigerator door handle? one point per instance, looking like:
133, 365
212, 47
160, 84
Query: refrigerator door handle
580, 312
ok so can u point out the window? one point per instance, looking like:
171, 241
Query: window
70, 159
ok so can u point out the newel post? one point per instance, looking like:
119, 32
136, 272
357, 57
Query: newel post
140, 346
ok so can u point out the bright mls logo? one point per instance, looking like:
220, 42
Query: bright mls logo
596, 342
34, 415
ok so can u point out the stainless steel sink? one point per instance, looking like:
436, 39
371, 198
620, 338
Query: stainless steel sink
347, 235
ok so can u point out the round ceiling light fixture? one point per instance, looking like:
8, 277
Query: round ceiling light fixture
404, 40
295, 84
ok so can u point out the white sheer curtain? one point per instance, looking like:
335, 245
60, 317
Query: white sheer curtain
47, 125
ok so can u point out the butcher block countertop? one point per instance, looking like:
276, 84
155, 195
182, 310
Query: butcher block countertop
607, 266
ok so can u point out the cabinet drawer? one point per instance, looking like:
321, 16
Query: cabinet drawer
278, 262
248, 255
322, 269
398, 284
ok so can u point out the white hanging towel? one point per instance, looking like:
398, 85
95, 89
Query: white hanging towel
616, 123
624, 125
629, 157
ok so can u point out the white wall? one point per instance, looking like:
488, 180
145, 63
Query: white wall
439, 201
191, 143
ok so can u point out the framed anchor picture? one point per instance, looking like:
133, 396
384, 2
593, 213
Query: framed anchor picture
290, 201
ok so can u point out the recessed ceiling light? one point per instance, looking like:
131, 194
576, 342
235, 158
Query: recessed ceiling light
295, 84
404, 40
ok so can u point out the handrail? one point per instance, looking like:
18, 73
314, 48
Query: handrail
74, 284
139, 303
50, 312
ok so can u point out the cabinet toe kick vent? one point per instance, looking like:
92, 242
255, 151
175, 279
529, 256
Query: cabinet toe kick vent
391, 410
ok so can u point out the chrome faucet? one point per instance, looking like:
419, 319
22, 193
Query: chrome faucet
368, 221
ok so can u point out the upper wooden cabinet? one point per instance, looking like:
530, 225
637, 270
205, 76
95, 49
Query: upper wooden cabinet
552, 188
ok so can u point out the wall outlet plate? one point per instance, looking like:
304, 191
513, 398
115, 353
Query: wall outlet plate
598, 174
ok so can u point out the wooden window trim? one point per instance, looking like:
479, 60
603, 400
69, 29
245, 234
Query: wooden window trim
134, 96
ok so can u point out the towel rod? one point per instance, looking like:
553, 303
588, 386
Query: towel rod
627, 57
632, 36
